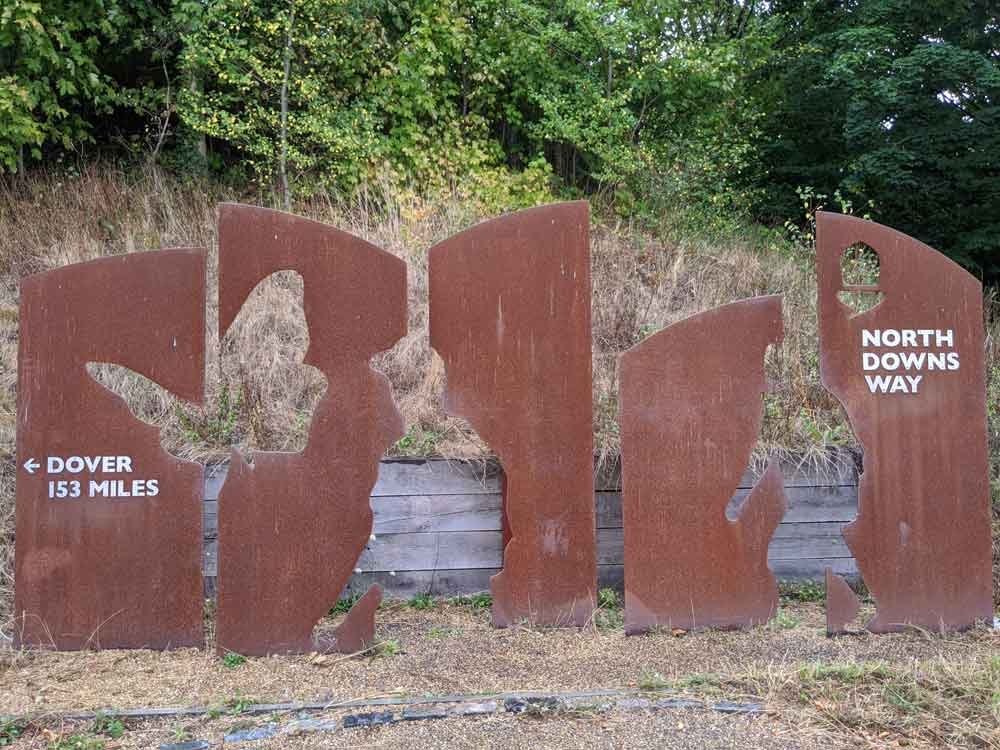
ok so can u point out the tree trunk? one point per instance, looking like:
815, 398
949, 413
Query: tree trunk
200, 143
283, 162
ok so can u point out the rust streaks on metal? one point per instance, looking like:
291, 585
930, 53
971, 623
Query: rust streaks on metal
690, 413
293, 525
510, 316
108, 523
910, 373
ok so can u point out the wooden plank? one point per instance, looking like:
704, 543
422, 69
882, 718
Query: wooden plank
433, 551
437, 477
441, 477
483, 549
481, 512
406, 584
791, 541
839, 469
803, 569
805, 505
398, 477
413, 513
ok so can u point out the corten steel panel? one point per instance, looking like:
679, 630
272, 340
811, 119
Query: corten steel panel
690, 413
292, 525
103, 569
510, 316
922, 535
842, 605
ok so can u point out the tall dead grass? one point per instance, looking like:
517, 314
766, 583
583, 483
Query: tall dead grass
259, 395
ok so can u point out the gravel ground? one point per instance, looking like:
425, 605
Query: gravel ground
673, 730
448, 649
451, 649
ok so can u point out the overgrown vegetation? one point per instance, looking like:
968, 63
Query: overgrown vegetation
717, 110
232, 660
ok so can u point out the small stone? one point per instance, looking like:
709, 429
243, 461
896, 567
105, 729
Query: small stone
474, 709
368, 720
418, 714
634, 704
678, 632
307, 726
678, 703
249, 735
189, 745
727, 707
515, 705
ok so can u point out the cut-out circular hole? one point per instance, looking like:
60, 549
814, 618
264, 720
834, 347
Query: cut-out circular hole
860, 266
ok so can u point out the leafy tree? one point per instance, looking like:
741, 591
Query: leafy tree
238, 51
51, 88
896, 102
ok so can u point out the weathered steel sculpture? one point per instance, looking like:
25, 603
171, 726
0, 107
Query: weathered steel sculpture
108, 523
292, 525
510, 316
690, 413
910, 374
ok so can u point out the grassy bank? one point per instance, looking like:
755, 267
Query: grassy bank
259, 396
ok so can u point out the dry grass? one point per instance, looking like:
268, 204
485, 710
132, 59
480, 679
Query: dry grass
260, 396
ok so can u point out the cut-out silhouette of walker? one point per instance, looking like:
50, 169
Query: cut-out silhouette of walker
293, 525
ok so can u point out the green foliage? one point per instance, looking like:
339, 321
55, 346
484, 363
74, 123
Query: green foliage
802, 591
388, 648
52, 86
846, 673
649, 680
608, 599
239, 704
784, 620
896, 103
417, 442
213, 429
421, 601
108, 726
237, 50
231, 660
609, 614
707, 112
10, 730
78, 742
481, 600
343, 606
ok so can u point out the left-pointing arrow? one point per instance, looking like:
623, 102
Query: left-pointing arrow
31, 464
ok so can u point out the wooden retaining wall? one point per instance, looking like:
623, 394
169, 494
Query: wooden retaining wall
437, 526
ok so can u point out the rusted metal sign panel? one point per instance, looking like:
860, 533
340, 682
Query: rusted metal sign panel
910, 374
292, 525
108, 523
510, 316
690, 412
